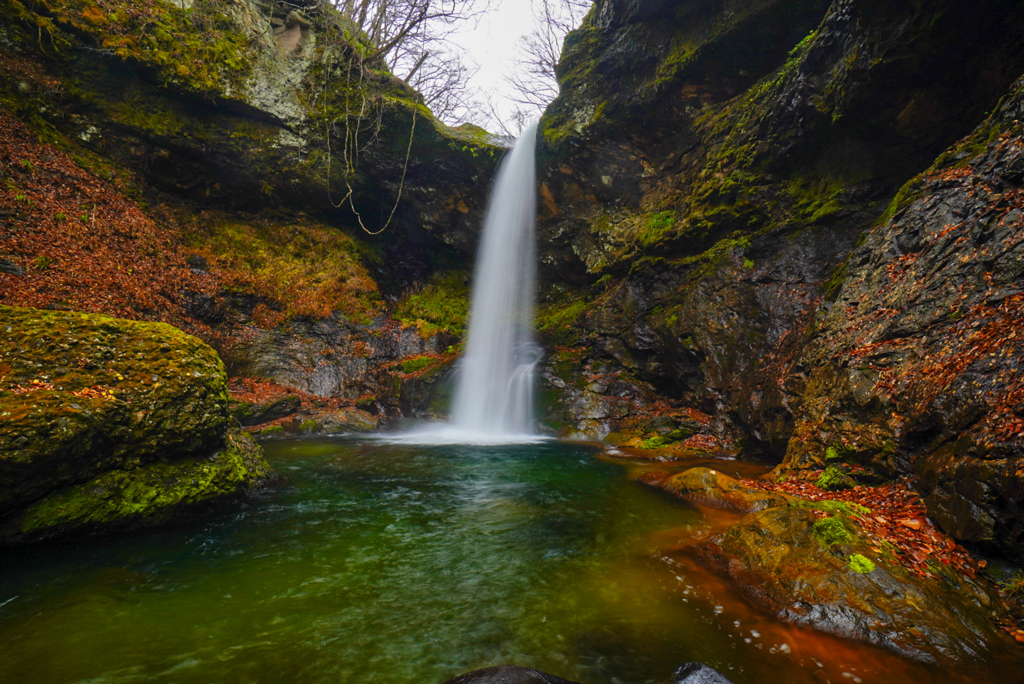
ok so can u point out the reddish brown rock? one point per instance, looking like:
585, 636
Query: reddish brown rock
709, 487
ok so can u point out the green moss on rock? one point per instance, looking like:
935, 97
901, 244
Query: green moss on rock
832, 531
247, 413
147, 495
418, 363
557, 320
709, 487
861, 564
199, 48
833, 479
271, 431
439, 306
84, 393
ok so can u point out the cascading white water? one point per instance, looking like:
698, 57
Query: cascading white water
494, 395
494, 392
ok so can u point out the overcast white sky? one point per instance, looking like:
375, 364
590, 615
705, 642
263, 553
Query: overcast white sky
491, 43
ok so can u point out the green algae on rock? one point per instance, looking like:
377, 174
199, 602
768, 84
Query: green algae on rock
85, 396
150, 494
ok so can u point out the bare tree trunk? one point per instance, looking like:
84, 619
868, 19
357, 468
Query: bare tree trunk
416, 67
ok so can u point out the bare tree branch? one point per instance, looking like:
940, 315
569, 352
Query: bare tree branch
411, 36
534, 84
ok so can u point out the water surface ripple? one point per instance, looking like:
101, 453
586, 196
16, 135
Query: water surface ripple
402, 564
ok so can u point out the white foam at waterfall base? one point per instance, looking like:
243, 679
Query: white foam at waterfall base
494, 390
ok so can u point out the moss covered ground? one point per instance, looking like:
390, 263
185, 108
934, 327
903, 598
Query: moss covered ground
309, 268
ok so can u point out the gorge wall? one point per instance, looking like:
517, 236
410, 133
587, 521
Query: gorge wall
794, 228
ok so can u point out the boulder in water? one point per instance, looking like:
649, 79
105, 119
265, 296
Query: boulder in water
109, 423
709, 487
810, 563
698, 673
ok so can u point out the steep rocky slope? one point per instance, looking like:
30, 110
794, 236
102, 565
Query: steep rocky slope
734, 224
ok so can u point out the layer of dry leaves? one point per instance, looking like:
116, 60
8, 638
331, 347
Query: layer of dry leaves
897, 517
262, 391
81, 243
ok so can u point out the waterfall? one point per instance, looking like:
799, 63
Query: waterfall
494, 395
494, 391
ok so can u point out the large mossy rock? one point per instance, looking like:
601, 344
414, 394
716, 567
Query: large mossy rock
117, 407
147, 495
817, 571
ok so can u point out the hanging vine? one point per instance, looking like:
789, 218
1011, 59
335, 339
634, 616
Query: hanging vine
368, 119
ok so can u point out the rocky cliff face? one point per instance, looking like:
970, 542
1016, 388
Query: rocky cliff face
787, 228
765, 211
247, 104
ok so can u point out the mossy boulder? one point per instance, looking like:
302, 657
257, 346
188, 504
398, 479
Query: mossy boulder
344, 421
833, 479
148, 495
820, 572
709, 487
84, 396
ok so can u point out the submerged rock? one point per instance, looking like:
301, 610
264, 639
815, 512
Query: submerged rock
107, 422
508, 674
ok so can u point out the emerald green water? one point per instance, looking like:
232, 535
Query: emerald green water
404, 564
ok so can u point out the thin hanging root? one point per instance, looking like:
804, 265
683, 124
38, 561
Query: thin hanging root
350, 150
401, 186
348, 169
